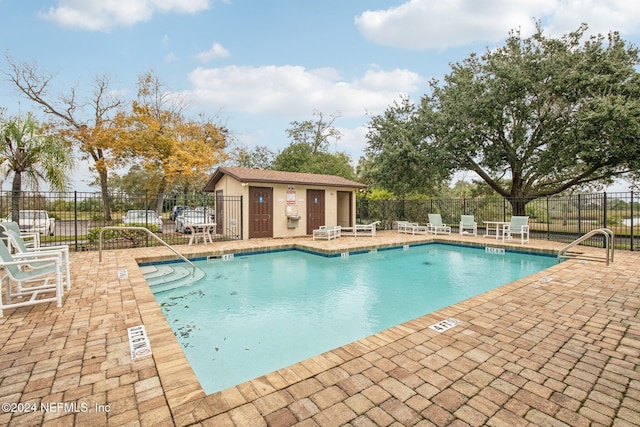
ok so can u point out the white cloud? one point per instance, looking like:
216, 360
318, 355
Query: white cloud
293, 91
171, 57
102, 15
602, 16
352, 142
216, 51
426, 24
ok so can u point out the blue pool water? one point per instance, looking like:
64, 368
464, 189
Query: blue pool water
255, 314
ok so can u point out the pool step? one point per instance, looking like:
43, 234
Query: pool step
165, 277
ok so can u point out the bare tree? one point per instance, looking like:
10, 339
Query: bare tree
86, 123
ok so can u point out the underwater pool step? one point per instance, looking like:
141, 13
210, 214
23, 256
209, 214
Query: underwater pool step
165, 277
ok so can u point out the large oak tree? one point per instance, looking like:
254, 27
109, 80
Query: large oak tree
532, 118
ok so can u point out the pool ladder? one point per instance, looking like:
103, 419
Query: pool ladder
608, 245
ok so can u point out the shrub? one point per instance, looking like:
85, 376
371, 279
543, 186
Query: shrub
135, 236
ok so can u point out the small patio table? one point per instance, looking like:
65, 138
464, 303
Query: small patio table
201, 231
495, 227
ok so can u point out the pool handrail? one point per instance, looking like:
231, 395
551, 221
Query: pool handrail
149, 232
609, 238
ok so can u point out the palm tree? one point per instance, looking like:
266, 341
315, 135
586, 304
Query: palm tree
32, 155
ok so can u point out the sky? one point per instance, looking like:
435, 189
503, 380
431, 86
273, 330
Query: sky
259, 65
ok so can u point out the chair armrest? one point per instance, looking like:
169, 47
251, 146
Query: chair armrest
36, 256
47, 261
60, 248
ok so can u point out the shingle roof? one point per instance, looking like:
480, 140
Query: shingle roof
270, 176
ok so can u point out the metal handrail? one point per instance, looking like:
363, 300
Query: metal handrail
608, 243
193, 272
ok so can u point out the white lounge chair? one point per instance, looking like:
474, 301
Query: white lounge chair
410, 227
327, 232
360, 230
436, 225
29, 278
16, 242
518, 225
468, 225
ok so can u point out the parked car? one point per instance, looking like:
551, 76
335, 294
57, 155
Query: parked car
208, 212
141, 218
191, 216
175, 211
36, 222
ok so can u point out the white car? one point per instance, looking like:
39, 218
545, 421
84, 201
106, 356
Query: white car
190, 217
36, 222
142, 217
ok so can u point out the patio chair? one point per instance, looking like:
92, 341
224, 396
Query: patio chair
518, 225
16, 242
360, 230
327, 232
30, 238
468, 225
436, 225
29, 278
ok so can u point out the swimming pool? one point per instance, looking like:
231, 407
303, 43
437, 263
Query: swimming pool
255, 314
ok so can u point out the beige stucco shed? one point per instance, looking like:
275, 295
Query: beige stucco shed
283, 204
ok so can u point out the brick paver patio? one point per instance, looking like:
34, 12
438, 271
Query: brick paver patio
560, 347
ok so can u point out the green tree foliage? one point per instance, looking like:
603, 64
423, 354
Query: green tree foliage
398, 155
32, 154
261, 157
536, 116
309, 149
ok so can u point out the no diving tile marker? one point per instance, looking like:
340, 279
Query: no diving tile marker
138, 342
492, 250
445, 324
123, 274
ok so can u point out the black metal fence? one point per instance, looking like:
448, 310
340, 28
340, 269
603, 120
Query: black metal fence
79, 217
556, 218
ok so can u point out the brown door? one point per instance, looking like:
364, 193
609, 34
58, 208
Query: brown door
219, 219
315, 210
260, 212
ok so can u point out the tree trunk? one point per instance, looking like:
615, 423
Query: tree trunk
518, 206
104, 190
162, 189
16, 188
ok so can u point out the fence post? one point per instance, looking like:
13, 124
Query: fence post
241, 221
75, 218
631, 232
146, 217
548, 220
604, 216
504, 209
579, 215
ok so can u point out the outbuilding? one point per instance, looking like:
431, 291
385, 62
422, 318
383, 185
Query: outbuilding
282, 204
